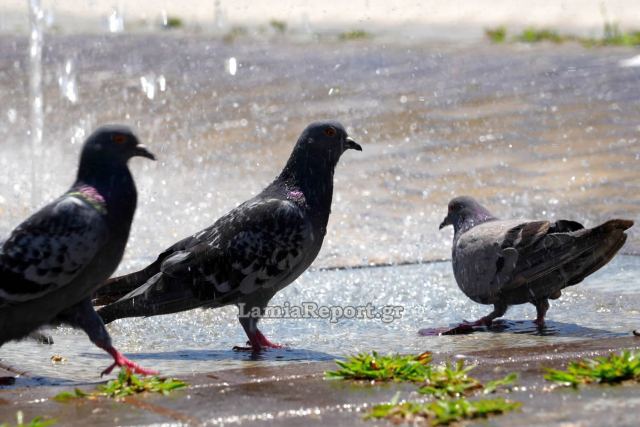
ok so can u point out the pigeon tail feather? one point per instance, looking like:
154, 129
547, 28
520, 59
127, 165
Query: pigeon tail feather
115, 288
614, 239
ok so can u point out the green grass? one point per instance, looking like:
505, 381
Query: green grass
383, 368
497, 34
612, 369
36, 422
453, 381
448, 380
354, 35
612, 35
278, 26
173, 22
126, 384
234, 33
441, 412
449, 384
534, 35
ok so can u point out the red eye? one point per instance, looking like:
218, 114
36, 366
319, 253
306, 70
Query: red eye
119, 138
330, 132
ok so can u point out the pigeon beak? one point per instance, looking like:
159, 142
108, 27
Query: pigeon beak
444, 223
142, 151
349, 143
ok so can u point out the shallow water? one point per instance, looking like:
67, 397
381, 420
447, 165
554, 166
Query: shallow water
537, 132
606, 304
544, 131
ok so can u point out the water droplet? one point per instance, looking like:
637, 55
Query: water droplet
231, 65
148, 84
12, 115
115, 21
67, 82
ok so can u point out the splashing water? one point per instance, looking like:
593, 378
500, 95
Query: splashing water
36, 20
231, 65
116, 21
67, 82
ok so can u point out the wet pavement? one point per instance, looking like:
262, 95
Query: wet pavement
607, 304
299, 395
533, 131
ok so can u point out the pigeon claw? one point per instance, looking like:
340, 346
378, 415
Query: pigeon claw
257, 343
123, 362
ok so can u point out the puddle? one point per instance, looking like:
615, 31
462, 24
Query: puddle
605, 305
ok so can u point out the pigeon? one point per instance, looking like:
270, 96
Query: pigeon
52, 263
507, 262
250, 253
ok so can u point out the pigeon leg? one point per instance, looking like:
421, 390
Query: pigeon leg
83, 316
467, 327
541, 310
257, 340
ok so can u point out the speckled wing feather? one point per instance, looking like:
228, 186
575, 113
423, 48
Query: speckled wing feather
49, 249
543, 247
253, 248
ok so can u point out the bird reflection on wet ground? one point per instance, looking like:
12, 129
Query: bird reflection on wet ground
550, 329
269, 355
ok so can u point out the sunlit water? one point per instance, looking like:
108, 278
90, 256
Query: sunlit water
606, 304
537, 132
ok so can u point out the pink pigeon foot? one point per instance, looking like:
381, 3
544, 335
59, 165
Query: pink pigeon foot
120, 360
258, 342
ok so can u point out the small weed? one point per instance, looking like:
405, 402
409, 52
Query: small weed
533, 35
36, 422
278, 26
497, 34
173, 22
437, 380
612, 36
441, 412
234, 33
383, 368
126, 384
612, 369
354, 35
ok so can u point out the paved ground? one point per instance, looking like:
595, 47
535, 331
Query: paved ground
298, 395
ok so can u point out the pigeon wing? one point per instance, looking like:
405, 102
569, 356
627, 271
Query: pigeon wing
543, 247
50, 249
253, 248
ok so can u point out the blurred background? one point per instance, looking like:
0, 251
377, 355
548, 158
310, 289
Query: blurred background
532, 107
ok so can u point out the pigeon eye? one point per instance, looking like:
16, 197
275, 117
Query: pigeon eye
119, 138
330, 132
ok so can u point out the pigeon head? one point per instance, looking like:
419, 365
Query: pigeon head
325, 142
112, 145
315, 156
464, 213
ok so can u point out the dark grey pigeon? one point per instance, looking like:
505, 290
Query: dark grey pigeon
507, 262
250, 253
52, 263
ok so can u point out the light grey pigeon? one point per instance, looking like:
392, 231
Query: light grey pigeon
250, 253
52, 262
507, 262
